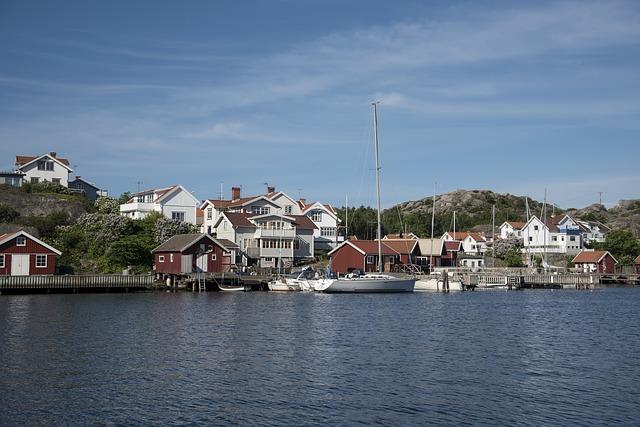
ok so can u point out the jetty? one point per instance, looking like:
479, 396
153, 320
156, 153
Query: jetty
75, 283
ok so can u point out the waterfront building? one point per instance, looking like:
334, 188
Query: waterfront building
592, 231
45, 167
268, 238
362, 255
589, 261
452, 249
473, 243
430, 249
193, 253
323, 216
174, 202
21, 254
559, 235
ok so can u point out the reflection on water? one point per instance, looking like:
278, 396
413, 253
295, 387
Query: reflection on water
509, 358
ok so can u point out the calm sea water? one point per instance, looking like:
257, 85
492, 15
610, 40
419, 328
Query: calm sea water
506, 358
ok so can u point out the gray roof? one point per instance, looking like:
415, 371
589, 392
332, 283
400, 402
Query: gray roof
228, 244
180, 242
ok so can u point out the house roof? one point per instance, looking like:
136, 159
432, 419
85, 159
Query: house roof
638, 260
158, 191
367, 247
430, 247
12, 173
9, 236
591, 257
516, 224
77, 178
402, 246
228, 244
303, 222
181, 242
238, 219
458, 235
453, 246
25, 160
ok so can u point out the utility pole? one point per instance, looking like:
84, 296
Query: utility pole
346, 216
139, 182
493, 236
600, 196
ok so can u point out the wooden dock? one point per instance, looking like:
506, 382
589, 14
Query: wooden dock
75, 283
494, 280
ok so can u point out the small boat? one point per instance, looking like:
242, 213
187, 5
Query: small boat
305, 281
234, 288
438, 283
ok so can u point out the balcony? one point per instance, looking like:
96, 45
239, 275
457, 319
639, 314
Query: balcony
282, 233
138, 207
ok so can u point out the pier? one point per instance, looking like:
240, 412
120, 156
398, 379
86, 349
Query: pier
75, 283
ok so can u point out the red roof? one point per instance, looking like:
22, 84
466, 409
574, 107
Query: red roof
370, 247
516, 225
638, 260
459, 235
590, 257
402, 246
219, 203
452, 245
23, 160
199, 213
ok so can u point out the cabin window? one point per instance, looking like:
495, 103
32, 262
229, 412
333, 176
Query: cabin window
41, 261
316, 216
161, 258
213, 257
209, 213
170, 257
55, 180
572, 238
268, 260
555, 238
535, 227
21, 241
288, 209
369, 259
35, 180
260, 210
530, 239
177, 216
328, 231
1, 261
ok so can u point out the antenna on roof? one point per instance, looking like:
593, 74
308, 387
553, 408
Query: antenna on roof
139, 182
600, 194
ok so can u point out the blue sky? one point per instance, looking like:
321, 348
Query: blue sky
508, 96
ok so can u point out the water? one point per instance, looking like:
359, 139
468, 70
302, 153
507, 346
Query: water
481, 358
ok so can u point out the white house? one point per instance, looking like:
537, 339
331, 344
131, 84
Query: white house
46, 167
472, 243
173, 202
265, 239
592, 231
511, 229
559, 235
275, 202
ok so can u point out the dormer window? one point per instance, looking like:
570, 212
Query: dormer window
45, 165
260, 210
316, 216
21, 241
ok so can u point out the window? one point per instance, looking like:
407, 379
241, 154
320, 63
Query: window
328, 231
316, 216
21, 241
213, 257
161, 258
296, 244
369, 259
1, 261
572, 238
209, 213
170, 257
35, 180
55, 180
554, 238
177, 216
535, 227
45, 165
260, 210
268, 260
530, 239
41, 261
288, 209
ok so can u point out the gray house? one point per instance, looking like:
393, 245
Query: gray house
12, 178
89, 190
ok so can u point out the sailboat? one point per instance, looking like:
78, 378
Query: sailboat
377, 282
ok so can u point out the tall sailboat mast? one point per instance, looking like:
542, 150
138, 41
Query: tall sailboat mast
375, 137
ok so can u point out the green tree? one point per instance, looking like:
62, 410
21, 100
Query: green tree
8, 214
621, 243
513, 257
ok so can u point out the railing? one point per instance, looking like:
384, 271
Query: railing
285, 233
75, 282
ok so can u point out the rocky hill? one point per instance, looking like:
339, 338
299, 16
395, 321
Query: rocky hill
473, 212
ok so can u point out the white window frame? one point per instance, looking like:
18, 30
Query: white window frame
175, 215
213, 257
369, 259
288, 209
20, 239
160, 258
316, 216
2, 265
38, 256
170, 257
209, 213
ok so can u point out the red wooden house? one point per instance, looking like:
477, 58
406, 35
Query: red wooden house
192, 253
452, 249
595, 262
21, 254
362, 255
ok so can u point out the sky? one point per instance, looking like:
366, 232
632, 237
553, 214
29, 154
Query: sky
514, 97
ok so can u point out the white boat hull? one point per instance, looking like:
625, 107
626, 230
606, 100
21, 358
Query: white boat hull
437, 285
366, 285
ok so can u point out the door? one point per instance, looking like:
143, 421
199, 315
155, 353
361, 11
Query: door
201, 263
19, 265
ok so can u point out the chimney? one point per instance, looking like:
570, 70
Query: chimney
53, 154
271, 190
235, 193
303, 201
78, 177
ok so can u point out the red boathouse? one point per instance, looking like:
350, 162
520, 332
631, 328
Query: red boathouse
595, 262
21, 254
192, 253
